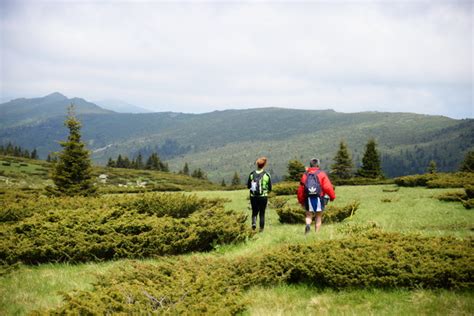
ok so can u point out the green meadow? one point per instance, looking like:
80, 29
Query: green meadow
27, 288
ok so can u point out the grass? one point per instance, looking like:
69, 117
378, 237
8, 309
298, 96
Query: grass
29, 288
305, 300
408, 210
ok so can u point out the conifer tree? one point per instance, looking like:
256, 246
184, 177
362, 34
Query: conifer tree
295, 170
186, 169
139, 161
223, 183
432, 168
72, 173
110, 163
342, 167
119, 163
198, 173
468, 164
235, 179
371, 162
153, 162
34, 154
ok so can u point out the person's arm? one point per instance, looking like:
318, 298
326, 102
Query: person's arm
327, 186
269, 183
249, 181
300, 194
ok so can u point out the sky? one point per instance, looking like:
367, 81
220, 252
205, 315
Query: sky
194, 56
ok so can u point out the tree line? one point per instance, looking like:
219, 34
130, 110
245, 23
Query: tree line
153, 162
17, 151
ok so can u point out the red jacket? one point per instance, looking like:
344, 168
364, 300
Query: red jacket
326, 186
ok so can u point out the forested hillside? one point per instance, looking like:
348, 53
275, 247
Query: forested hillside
223, 142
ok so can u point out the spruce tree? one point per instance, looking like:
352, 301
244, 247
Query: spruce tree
223, 183
432, 167
342, 167
468, 164
371, 166
235, 179
139, 161
295, 170
186, 169
110, 163
34, 154
72, 173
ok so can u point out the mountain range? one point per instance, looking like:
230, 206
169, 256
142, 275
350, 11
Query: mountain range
224, 142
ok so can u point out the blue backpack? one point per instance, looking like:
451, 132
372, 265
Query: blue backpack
312, 185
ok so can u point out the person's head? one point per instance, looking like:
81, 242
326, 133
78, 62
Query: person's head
314, 162
261, 162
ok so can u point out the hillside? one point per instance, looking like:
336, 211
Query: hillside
223, 142
23, 111
28, 174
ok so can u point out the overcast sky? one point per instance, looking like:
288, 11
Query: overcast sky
350, 56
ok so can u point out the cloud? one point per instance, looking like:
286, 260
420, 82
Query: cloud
197, 57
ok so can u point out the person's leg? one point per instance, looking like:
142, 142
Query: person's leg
262, 207
309, 219
254, 205
318, 220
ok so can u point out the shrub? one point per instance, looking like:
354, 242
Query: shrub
469, 204
332, 214
277, 201
285, 188
452, 197
137, 228
196, 285
438, 180
414, 180
361, 181
469, 189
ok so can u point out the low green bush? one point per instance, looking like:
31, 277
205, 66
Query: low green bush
285, 188
466, 197
437, 180
360, 181
468, 204
332, 214
196, 285
469, 189
452, 196
137, 228
414, 180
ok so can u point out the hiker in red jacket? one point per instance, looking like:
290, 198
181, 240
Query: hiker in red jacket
314, 186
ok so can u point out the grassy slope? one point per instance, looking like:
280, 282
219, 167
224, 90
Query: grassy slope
25, 173
411, 210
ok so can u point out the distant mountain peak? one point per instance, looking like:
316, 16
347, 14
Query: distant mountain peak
55, 96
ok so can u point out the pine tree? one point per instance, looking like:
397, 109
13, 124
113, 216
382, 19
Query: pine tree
371, 162
235, 179
111, 163
432, 167
468, 164
139, 161
119, 163
186, 169
342, 167
223, 183
295, 170
72, 173
34, 154
153, 162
